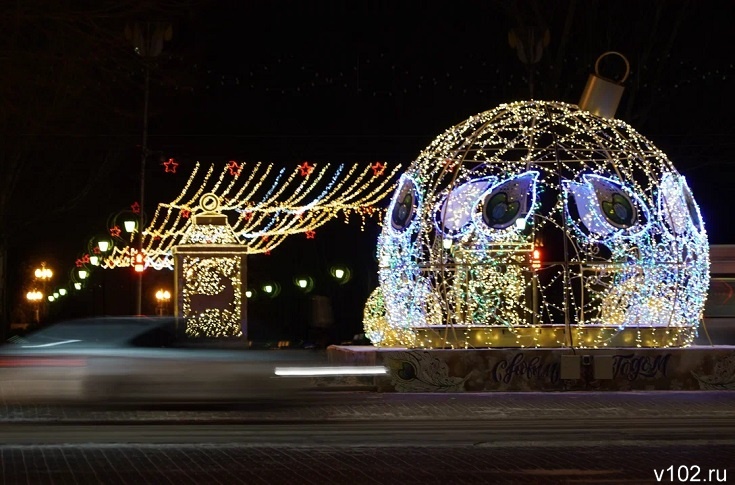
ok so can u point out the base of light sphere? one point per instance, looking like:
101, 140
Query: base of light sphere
551, 336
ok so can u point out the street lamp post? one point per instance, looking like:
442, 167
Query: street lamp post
42, 274
147, 39
35, 298
162, 297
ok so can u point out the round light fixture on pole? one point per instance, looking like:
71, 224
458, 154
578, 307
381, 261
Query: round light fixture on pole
271, 289
341, 274
130, 225
304, 283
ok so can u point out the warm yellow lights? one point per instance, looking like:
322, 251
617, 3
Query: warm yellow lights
211, 297
263, 205
163, 295
34, 296
43, 273
535, 214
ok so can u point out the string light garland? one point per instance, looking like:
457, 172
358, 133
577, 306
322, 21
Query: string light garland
544, 222
263, 205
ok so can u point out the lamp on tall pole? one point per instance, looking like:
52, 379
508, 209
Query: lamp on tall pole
147, 39
42, 274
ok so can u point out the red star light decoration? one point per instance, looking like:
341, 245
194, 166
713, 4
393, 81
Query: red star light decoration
247, 215
135, 207
170, 165
79, 263
96, 250
306, 169
185, 213
310, 234
234, 167
85, 258
115, 231
378, 169
267, 252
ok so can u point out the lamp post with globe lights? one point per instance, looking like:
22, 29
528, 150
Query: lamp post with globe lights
43, 275
162, 297
35, 297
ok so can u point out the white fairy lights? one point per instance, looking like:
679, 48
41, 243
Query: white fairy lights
538, 214
263, 204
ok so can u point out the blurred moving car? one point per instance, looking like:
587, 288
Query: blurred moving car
123, 359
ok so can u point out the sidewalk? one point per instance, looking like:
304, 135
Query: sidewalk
360, 406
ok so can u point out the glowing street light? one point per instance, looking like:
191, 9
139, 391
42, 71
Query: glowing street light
304, 283
130, 225
341, 273
162, 297
43, 273
271, 289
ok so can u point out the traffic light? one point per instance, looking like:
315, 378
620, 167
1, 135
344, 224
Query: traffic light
139, 263
536, 259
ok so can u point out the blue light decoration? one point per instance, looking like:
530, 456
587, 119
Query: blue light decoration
541, 224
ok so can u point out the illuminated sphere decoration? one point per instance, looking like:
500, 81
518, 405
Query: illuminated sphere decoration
540, 224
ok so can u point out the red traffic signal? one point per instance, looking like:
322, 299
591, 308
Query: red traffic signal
139, 263
536, 259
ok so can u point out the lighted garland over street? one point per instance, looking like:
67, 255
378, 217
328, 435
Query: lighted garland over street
263, 204
541, 224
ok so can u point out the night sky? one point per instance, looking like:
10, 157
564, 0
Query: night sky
357, 82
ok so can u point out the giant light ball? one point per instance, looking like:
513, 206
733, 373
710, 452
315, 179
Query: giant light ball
540, 213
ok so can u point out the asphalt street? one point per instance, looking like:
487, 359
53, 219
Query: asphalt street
363, 437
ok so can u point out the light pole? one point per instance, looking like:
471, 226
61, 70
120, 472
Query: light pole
147, 39
162, 297
35, 297
44, 275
